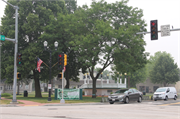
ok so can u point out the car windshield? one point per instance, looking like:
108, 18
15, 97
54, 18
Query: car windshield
161, 90
121, 91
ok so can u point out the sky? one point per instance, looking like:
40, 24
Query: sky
167, 12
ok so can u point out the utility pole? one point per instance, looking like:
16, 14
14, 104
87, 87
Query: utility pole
15, 51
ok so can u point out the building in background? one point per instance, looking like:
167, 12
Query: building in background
8, 88
150, 87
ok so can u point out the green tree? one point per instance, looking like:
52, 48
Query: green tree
164, 70
108, 36
152, 60
33, 17
71, 6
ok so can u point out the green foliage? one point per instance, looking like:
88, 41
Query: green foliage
107, 35
5, 95
164, 70
34, 16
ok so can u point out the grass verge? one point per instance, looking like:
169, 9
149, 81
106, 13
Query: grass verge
44, 99
8, 102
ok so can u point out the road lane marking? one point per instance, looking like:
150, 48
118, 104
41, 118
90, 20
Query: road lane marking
170, 104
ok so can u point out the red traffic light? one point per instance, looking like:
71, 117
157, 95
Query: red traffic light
60, 55
153, 23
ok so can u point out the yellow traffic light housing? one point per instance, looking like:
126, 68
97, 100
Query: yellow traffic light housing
60, 75
18, 75
65, 59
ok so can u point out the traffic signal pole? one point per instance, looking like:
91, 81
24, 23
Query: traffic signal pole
15, 55
15, 51
62, 100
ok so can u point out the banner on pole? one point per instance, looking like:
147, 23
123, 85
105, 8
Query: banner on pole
68, 94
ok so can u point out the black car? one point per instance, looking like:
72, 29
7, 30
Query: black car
125, 95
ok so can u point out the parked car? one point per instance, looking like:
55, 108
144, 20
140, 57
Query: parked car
125, 95
164, 93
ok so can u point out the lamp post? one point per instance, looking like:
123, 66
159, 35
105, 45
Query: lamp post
101, 79
84, 77
88, 77
120, 78
107, 78
117, 80
50, 51
125, 78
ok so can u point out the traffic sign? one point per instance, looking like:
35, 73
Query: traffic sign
165, 30
2, 37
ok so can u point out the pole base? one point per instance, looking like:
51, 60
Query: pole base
49, 98
14, 102
62, 101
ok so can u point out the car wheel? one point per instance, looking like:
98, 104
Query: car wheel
155, 100
111, 102
166, 98
175, 97
126, 100
140, 99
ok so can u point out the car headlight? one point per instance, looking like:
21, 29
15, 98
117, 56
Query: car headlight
120, 96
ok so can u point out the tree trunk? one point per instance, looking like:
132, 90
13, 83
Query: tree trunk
37, 86
94, 88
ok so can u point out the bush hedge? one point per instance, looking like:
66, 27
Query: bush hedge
5, 95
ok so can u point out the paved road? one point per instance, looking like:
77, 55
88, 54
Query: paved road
144, 110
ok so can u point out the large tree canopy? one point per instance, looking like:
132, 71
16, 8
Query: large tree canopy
108, 36
33, 17
164, 70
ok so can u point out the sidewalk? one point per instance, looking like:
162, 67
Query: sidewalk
26, 103
31, 103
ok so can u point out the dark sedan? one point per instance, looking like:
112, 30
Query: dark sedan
125, 95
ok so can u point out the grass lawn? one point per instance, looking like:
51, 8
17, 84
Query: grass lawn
44, 99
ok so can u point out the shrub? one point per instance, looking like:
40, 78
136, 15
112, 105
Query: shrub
5, 95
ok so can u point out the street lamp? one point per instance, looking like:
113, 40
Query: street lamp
125, 78
117, 79
50, 51
120, 78
107, 78
101, 79
88, 77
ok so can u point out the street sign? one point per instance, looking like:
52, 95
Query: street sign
165, 30
2, 37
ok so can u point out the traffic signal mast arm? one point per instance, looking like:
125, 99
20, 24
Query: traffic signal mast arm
158, 31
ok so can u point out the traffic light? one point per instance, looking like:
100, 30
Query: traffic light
60, 75
19, 59
18, 75
60, 61
154, 30
65, 59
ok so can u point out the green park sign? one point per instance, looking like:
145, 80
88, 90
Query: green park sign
2, 37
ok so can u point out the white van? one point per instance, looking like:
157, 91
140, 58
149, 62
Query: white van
165, 93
